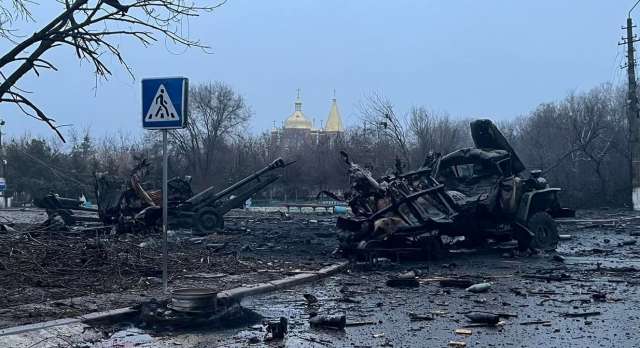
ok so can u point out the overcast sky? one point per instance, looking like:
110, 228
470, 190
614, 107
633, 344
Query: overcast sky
471, 58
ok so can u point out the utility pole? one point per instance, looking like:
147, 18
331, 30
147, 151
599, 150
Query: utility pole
632, 114
3, 158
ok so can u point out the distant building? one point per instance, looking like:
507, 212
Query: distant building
297, 130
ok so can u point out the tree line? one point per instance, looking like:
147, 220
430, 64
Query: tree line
579, 142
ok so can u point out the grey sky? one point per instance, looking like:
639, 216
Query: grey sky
471, 58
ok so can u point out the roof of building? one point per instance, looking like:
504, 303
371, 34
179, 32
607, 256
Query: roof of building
334, 120
297, 119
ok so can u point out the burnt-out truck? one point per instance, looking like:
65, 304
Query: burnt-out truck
467, 198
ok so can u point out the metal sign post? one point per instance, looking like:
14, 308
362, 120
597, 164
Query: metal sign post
165, 202
164, 107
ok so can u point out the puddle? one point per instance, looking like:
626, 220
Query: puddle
131, 337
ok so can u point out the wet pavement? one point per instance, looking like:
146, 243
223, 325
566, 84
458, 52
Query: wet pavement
589, 300
585, 295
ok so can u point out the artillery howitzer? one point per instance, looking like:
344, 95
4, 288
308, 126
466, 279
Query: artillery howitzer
135, 207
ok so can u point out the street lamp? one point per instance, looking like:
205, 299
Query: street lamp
634, 6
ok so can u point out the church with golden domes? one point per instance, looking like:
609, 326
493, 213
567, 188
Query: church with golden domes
298, 130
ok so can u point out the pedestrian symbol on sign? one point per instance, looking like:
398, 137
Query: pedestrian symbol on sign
162, 108
164, 102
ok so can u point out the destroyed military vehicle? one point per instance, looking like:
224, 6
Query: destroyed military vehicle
131, 207
467, 198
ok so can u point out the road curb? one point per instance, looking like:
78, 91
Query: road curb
114, 313
226, 295
262, 288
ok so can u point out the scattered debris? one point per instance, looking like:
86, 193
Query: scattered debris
465, 332
310, 298
419, 317
480, 287
407, 279
580, 314
338, 322
550, 278
7, 228
361, 323
345, 299
599, 296
483, 318
276, 330
535, 322
205, 275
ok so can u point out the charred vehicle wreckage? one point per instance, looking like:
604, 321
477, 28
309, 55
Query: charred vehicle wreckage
130, 207
467, 198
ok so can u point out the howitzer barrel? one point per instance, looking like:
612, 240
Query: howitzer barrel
206, 194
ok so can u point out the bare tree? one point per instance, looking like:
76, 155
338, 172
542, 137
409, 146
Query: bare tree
90, 28
433, 132
217, 112
590, 129
580, 143
377, 113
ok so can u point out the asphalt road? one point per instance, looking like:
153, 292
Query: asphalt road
596, 281
599, 275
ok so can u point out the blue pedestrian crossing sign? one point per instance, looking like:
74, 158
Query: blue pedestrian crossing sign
164, 102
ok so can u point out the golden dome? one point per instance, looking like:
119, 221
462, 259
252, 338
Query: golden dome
334, 121
297, 119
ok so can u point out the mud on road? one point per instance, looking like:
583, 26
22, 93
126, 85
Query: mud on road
585, 295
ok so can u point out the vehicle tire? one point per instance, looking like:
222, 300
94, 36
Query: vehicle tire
545, 231
206, 221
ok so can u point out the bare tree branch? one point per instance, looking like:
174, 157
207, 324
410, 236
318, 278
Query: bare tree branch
377, 111
217, 114
90, 28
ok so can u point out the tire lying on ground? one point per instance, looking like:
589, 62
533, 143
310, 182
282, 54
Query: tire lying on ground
206, 221
545, 231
